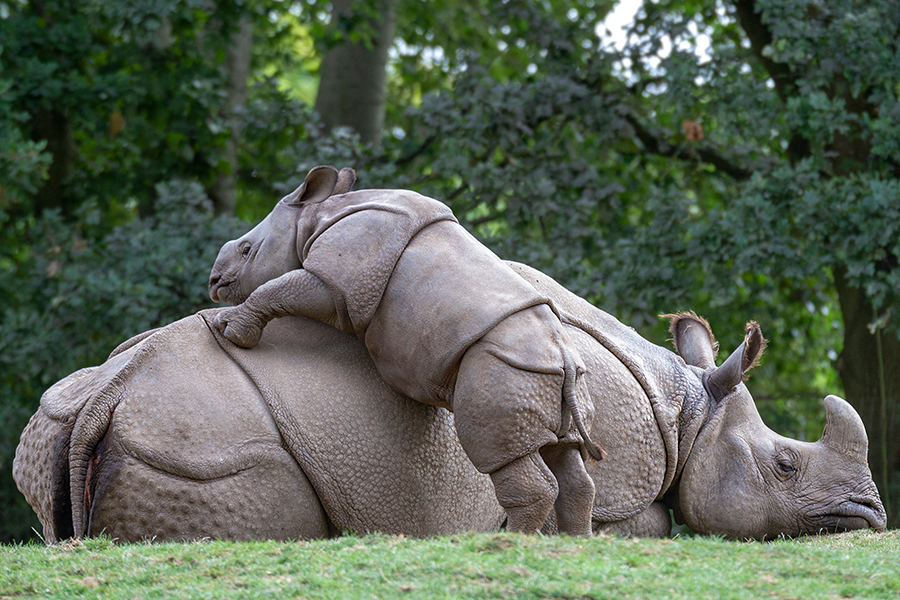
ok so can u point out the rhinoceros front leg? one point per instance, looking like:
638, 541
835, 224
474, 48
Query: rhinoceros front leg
296, 293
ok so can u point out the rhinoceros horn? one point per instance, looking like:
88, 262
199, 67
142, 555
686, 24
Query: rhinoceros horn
844, 429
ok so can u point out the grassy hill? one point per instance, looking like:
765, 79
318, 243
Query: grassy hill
503, 565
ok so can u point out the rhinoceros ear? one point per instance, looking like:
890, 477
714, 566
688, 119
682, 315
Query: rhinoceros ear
726, 377
693, 338
318, 185
346, 179
756, 345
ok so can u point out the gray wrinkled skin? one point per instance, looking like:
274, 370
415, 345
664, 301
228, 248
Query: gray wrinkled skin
725, 472
203, 442
182, 435
445, 321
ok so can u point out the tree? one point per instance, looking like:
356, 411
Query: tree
353, 76
237, 73
822, 205
124, 95
757, 179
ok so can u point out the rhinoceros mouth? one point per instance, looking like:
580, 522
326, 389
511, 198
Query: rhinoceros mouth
217, 292
225, 291
849, 516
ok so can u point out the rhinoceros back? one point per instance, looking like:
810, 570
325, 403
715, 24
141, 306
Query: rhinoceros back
352, 242
377, 460
203, 442
412, 283
445, 293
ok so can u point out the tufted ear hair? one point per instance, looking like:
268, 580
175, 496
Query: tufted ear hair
346, 179
318, 185
756, 345
693, 338
726, 377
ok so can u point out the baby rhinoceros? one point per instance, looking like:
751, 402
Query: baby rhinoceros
445, 320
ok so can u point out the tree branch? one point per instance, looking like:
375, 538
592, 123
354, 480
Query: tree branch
759, 36
487, 218
415, 153
781, 73
655, 143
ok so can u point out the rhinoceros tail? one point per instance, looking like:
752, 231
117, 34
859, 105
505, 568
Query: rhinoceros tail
92, 424
570, 381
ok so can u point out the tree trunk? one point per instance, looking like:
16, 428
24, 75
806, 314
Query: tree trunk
869, 367
353, 79
55, 126
237, 65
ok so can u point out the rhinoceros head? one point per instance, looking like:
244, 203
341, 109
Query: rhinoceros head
270, 249
743, 480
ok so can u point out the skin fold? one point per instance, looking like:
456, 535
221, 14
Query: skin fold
296, 432
446, 322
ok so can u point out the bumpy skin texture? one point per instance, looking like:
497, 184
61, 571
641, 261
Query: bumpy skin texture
240, 444
299, 437
425, 297
173, 465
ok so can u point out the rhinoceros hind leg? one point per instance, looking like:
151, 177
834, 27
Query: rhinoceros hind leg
576, 489
272, 499
527, 490
41, 472
654, 521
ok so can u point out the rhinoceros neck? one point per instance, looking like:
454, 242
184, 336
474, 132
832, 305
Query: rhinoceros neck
664, 378
694, 412
675, 390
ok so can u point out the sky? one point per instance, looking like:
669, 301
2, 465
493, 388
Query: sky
620, 17
612, 33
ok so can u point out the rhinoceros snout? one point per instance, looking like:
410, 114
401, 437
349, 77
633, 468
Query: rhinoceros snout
214, 284
862, 512
219, 281
225, 288
221, 291
872, 511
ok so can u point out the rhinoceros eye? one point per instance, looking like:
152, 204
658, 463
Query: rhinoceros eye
785, 466
244, 249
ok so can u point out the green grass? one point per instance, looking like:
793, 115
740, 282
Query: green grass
855, 565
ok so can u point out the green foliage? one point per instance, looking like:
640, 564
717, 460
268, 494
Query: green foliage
858, 565
23, 162
132, 93
545, 167
802, 225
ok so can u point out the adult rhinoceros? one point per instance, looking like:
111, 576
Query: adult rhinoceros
181, 434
